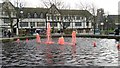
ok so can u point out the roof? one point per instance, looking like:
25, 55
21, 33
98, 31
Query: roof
34, 10
62, 11
52, 8
38, 11
75, 12
115, 18
9, 3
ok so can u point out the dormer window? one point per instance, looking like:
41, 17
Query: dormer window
41, 15
35, 15
50, 11
29, 15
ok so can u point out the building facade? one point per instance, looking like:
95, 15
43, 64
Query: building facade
58, 18
37, 18
7, 12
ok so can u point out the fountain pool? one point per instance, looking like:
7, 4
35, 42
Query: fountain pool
83, 54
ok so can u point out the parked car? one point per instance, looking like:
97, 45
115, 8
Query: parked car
40, 31
111, 33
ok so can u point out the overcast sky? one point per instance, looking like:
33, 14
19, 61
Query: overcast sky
110, 6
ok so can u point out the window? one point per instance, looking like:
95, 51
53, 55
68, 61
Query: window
65, 17
77, 17
40, 24
35, 15
29, 15
78, 23
32, 24
3, 13
6, 21
66, 24
73, 17
41, 15
87, 23
48, 17
54, 17
57, 17
23, 24
53, 24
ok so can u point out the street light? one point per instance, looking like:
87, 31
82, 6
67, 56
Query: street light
102, 26
116, 24
106, 21
21, 12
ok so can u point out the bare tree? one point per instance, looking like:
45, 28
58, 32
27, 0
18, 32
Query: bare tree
91, 8
58, 3
8, 12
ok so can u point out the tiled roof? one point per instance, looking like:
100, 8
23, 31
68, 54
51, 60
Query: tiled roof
34, 10
9, 3
75, 12
62, 11
38, 11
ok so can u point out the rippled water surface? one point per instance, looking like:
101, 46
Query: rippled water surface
83, 54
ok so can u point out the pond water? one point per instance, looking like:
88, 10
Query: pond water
83, 54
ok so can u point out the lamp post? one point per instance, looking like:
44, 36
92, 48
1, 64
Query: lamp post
106, 23
102, 27
117, 24
21, 12
17, 29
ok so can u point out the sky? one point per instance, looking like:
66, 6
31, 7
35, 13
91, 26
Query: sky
109, 6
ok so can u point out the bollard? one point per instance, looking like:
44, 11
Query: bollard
118, 46
94, 44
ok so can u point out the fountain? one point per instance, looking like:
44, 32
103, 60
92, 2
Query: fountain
73, 38
49, 40
60, 51
18, 40
38, 38
27, 40
60, 40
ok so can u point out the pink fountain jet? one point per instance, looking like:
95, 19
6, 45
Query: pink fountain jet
74, 38
38, 38
61, 41
48, 35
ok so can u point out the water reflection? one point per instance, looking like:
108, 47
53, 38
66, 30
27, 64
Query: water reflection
54, 54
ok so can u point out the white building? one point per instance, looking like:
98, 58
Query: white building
58, 18
37, 18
